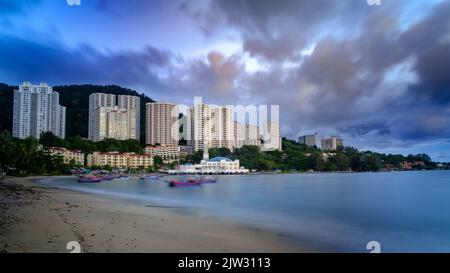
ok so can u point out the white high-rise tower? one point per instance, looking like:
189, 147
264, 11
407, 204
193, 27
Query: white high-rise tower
212, 125
97, 100
36, 110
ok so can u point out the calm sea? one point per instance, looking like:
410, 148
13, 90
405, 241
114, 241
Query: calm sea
403, 211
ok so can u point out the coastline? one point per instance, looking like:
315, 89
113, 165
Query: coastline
39, 218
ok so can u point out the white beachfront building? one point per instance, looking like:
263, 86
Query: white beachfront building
216, 165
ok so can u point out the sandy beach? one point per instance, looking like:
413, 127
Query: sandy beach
36, 218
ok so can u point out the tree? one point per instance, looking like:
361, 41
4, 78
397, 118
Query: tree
355, 162
172, 165
317, 162
265, 164
182, 142
78, 143
224, 151
158, 161
48, 139
371, 162
7, 149
342, 162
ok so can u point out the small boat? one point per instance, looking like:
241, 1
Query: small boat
89, 179
149, 177
125, 177
189, 182
107, 177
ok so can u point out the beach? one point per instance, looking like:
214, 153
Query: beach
38, 218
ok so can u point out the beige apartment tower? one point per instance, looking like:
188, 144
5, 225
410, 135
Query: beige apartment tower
134, 118
245, 134
108, 120
212, 126
332, 143
161, 123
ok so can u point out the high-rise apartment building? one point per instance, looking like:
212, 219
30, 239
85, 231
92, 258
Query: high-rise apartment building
245, 135
252, 135
271, 137
239, 134
36, 110
211, 126
106, 120
186, 124
201, 129
134, 119
222, 127
110, 122
332, 143
117, 123
309, 140
97, 124
162, 126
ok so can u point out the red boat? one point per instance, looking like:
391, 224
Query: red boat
190, 182
106, 177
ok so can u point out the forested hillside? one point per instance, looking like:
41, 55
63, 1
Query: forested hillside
76, 99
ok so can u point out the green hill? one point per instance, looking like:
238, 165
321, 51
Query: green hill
76, 99
6, 107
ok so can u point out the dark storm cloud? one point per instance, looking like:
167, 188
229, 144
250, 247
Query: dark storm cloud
159, 73
379, 128
52, 62
433, 66
214, 77
429, 42
368, 77
277, 30
215, 73
342, 84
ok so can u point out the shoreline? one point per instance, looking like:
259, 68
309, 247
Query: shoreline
39, 218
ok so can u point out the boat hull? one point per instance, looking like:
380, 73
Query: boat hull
184, 184
150, 177
89, 180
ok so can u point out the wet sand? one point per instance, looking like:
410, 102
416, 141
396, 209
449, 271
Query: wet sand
36, 218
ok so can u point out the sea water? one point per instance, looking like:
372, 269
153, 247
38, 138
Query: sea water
402, 211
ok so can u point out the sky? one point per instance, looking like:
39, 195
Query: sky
378, 76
